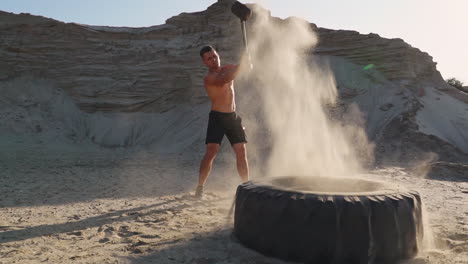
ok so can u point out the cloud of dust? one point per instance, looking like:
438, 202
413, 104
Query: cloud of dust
428, 242
294, 87
423, 166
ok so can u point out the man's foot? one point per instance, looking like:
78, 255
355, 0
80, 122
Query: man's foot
199, 191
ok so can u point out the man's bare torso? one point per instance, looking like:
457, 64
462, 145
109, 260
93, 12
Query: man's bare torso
221, 96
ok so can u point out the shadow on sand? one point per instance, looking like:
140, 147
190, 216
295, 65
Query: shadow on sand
97, 221
216, 247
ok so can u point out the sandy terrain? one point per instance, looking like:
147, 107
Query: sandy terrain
69, 205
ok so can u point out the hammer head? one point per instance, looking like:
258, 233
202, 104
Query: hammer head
241, 11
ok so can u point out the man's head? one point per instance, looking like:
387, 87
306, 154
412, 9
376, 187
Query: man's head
210, 57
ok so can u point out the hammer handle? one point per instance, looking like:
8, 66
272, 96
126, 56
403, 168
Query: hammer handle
244, 37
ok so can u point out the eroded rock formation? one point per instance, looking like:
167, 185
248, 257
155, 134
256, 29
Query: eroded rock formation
153, 69
157, 69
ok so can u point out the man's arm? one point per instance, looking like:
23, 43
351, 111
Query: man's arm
227, 74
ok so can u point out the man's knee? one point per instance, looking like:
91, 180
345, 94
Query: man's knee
211, 150
240, 150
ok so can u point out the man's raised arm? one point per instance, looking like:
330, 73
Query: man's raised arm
227, 74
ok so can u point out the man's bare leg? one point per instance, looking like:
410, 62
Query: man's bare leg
242, 164
206, 165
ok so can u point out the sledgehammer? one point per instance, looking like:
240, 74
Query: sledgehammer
243, 13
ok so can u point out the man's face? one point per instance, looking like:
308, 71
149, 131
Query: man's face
211, 59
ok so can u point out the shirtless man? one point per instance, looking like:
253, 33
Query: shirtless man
223, 120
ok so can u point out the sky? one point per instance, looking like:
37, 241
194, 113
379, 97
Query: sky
437, 27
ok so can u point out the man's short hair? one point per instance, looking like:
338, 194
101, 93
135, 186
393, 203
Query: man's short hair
205, 50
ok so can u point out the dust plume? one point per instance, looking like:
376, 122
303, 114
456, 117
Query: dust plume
423, 165
428, 242
294, 87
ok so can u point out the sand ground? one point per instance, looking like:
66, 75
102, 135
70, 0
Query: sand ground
84, 205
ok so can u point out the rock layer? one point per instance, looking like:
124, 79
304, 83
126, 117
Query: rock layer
156, 68
121, 70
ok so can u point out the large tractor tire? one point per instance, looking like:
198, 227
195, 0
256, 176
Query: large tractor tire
328, 220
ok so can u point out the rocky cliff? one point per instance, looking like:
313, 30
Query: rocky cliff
156, 70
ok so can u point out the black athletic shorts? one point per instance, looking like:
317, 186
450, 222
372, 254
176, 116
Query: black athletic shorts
229, 124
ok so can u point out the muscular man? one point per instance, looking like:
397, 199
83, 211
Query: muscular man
223, 119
